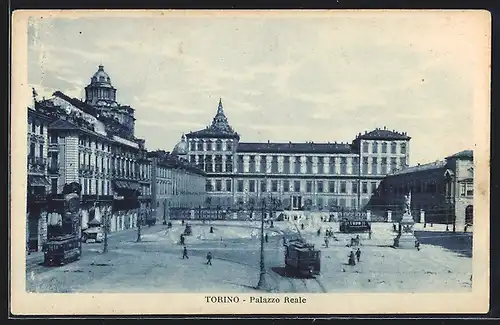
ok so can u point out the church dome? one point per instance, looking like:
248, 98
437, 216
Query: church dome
101, 77
181, 148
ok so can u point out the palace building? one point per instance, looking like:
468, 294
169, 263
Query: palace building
305, 175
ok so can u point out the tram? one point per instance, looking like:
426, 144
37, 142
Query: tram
62, 249
303, 258
352, 226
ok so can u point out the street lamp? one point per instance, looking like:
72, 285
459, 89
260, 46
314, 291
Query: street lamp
105, 221
262, 280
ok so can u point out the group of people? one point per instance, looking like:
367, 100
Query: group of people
354, 256
185, 256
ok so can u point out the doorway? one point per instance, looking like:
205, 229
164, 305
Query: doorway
469, 215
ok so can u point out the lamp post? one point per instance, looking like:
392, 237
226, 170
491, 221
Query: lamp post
262, 280
105, 221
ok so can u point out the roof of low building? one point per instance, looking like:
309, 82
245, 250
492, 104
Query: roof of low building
77, 103
290, 147
420, 167
464, 154
63, 124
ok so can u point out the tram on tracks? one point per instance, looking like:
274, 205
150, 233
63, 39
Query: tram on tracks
62, 249
303, 258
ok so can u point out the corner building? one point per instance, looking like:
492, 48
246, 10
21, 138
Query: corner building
92, 143
294, 176
442, 191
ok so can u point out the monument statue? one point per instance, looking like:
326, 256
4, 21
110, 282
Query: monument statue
408, 203
406, 237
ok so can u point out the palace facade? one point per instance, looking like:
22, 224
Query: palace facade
306, 175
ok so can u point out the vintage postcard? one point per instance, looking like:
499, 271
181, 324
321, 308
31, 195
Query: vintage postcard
250, 162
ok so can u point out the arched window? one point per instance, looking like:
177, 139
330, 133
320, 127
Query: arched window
365, 147
384, 147
218, 145
393, 147
200, 145
469, 215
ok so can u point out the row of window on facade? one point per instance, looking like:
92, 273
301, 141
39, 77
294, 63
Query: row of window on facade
123, 168
219, 145
378, 166
35, 127
384, 146
101, 93
344, 187
422, 186
210, 145
320, 202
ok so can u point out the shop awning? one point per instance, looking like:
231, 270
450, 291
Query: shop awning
35, 180
94, 223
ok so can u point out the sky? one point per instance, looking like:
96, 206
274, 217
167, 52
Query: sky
281, 77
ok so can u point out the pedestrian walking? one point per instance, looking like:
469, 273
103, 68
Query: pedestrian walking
266, 238
182, 239
358, 254
326, 242
185, 253
352, 261
302, 226
417, 245
209, 258
182, 222
319, 231
370, 234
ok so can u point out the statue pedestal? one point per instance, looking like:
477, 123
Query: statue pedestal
406, 238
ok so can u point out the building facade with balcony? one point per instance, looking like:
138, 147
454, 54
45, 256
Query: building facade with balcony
294, 175
175, 183
442, 190
144, 165
38, 184
95, 147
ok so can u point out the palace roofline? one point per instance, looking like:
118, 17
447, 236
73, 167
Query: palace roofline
290, 147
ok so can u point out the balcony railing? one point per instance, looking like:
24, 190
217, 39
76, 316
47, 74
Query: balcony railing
37, 164
53, 146
86, 169
37, 197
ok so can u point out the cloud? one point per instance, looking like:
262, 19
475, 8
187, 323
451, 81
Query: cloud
284, 78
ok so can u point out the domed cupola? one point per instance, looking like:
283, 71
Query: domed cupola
181, 148
101, 78
100, 92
